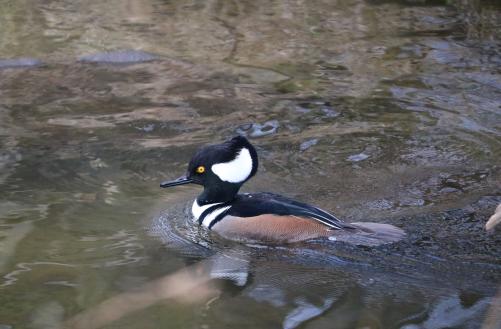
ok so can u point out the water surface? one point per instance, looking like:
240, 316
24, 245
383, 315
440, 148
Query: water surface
386, 111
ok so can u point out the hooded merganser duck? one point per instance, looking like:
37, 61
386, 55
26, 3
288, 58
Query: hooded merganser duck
262, 217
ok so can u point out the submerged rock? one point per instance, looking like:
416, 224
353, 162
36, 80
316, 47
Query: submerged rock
255, 130
411, 202
322, 108
357, 157
119, 57
309, 143
19, 62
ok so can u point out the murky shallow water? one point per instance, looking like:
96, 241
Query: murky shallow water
376, 110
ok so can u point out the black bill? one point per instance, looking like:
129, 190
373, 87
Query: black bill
180, 181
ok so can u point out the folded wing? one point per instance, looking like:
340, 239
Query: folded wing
250, 205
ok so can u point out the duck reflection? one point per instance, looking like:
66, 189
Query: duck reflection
293, 294
189, 285
325, 285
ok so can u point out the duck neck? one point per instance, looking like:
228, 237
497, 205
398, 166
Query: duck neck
218, 194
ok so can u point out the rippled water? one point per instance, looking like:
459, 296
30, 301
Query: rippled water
388, 111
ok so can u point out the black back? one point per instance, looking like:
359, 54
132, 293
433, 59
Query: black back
255, 204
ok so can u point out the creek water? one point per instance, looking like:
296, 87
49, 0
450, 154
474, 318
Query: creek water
384, 111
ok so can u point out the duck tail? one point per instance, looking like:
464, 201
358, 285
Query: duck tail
371, 234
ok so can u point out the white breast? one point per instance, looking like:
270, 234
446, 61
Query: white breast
198, 210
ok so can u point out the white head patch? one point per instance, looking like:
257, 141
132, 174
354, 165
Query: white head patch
236, 170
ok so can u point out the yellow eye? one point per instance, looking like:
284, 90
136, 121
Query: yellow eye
200, 170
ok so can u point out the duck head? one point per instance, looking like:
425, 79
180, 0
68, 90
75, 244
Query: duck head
221, 169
